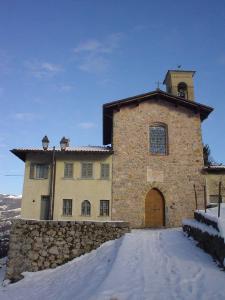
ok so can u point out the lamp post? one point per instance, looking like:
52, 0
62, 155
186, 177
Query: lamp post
45, 142
64, 142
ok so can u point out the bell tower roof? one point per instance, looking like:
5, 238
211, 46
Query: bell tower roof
180, 83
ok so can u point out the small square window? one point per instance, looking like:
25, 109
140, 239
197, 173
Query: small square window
39, 171
104, 171
87, 170
68, 170
104, 207
67, 207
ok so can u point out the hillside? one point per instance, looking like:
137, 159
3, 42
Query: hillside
144, 264
10, 208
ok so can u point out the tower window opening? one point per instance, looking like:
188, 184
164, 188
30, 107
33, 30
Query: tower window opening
182, 90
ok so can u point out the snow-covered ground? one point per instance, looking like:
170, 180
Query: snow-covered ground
144, 264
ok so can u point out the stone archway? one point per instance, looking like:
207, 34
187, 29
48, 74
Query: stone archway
154, 209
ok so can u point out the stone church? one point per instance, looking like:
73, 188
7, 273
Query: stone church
145, 172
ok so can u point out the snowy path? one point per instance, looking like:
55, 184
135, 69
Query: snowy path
145, 264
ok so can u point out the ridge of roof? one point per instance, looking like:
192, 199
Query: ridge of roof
157, 91
108, 107
22, 152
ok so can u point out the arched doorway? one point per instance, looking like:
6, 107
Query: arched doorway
154, 209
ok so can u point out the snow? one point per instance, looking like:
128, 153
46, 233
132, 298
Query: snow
144, 264
212, 214
203, 227
2, 268
13, 196
3, 207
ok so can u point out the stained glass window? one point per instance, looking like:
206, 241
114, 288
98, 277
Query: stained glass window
158, 139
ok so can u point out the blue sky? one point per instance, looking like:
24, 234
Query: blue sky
61, 60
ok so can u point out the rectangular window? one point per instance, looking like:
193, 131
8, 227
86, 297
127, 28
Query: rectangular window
39, 171
104, 207
67, 207
104, 171
87, 170
68, 170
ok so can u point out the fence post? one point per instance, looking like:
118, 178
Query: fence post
205, 198
219, 199
196, 200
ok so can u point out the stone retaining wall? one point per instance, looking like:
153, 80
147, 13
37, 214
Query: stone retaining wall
202, 219
38, 245
214, 245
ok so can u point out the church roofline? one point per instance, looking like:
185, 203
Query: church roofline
110, 106
178, 71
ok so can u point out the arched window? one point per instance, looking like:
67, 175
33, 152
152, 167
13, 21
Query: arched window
158, 139
86, 208
182, 90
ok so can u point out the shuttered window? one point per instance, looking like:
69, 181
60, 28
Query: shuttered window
104, 207
32, 171
86, 170
68, 170
158, 139
104, 171
67, 207
86, 208
39, 171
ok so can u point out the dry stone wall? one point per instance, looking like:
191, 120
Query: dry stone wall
38, 245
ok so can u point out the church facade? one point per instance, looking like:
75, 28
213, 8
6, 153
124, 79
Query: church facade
154, 159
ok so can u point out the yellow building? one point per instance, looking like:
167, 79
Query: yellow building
214, 177
69, 184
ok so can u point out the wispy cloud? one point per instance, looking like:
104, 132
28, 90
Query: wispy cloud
43, 69
95, 46
65, 87
25, 116
86, 125
96, 64
94, 55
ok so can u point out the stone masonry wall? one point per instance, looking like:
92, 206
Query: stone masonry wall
136, 171
214, 245
38, 245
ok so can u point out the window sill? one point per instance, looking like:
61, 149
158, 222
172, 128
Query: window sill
87, 178
68, 178
106, 216
66, 216
158, 154
38, 178
86, 216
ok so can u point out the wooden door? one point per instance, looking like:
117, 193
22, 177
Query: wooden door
45, 207
154, 209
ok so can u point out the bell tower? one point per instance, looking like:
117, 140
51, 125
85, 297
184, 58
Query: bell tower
180, 83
